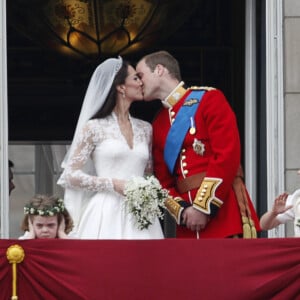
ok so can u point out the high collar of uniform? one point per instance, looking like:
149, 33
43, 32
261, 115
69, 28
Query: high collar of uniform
174, 96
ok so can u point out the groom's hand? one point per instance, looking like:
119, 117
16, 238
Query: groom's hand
194, 219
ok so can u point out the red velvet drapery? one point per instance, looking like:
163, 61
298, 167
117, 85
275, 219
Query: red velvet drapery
232, 269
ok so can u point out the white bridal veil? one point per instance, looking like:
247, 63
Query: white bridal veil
97, 91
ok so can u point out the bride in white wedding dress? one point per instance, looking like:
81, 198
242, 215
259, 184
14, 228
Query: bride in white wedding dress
109, 147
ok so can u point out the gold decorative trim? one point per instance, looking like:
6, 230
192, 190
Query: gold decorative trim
207, 194
206, 88
174, 208
175, 95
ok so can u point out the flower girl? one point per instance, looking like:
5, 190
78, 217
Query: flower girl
46, 217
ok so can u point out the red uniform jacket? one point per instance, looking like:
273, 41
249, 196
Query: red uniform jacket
218, 139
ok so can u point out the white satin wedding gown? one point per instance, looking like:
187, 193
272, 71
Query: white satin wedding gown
103, 216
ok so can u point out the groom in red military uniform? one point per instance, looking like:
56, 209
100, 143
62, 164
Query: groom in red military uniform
196, 152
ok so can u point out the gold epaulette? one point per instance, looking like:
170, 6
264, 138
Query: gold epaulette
206, 195
206, 88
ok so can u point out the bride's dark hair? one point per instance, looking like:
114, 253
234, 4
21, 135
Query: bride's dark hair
111, 99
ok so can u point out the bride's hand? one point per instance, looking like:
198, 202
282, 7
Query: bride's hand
119, 185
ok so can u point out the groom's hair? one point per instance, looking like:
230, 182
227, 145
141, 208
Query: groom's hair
166, 59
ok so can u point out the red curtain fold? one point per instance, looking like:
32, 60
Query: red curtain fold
163, 269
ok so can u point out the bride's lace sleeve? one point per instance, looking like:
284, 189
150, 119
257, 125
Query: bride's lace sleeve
75, 177
149, 166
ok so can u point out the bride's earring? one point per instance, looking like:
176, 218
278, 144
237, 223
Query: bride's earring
123, 94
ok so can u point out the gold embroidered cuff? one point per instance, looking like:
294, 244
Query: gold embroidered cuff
174, 208
206, 195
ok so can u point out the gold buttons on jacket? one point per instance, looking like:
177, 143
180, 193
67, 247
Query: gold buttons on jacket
183, 163
172, 117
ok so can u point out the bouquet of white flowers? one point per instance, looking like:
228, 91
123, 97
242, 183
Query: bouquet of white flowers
144, 196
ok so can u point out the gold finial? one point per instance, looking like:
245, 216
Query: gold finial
15, 254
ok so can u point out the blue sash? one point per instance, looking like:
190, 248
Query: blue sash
180, 127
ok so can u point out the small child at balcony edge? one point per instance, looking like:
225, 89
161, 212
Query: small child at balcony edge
285, 208
46, 218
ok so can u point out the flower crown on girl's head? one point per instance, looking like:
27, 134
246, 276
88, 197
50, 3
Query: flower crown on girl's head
29, 209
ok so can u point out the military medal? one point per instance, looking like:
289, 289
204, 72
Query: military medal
198, 147
192, 128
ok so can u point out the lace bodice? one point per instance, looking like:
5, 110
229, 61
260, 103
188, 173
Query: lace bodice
102, 144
